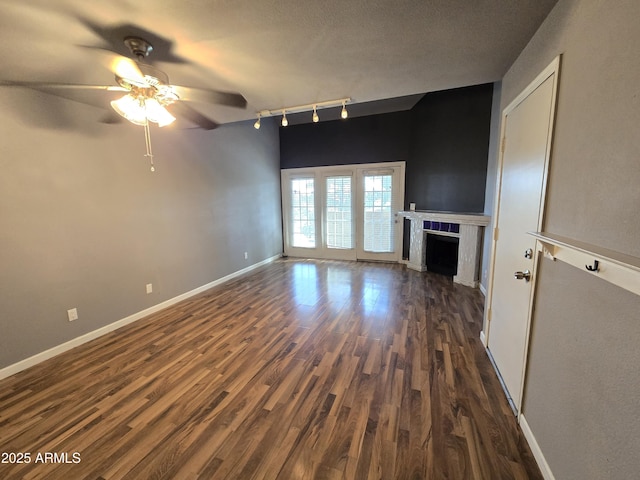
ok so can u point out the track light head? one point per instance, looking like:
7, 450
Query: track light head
344, 114
257, 124
315, 116
285, 122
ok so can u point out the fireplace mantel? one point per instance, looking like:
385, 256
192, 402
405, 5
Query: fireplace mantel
469, 248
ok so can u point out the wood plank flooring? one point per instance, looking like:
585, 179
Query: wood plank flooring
301, 369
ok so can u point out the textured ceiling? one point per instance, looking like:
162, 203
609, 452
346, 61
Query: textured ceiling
276, 53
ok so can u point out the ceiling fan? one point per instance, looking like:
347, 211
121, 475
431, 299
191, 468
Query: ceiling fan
147, 91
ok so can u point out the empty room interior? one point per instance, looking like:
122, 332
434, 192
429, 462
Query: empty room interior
357, 239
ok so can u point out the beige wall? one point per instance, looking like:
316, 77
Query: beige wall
582, 389
583, 385
85, 223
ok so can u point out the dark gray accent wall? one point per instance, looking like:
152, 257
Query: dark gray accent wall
444, 140
581, 392
85, 224
370, 139
447, 167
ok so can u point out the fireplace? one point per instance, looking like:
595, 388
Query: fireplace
465, 228
442, 254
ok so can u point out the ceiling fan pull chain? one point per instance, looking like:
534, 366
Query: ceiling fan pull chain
147, 139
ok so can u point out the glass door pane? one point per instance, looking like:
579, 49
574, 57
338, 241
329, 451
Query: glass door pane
338, 213
303, 220
379, 216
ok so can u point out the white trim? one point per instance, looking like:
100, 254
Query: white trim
535, 449
483, 290
87, 337
483, 338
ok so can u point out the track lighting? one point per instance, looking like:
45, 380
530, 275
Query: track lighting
304, 108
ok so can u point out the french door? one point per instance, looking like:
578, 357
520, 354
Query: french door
378, 203
346, 212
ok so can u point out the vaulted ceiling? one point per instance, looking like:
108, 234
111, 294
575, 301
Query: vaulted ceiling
276, 53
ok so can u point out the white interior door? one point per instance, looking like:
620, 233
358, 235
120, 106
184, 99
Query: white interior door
380, 195
527, 125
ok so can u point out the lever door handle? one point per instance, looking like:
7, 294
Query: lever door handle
526, 275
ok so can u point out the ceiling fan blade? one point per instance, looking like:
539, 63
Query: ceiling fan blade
111, 118
185, 111
210, 96
94, 95
60, 86
113, 35
128, 69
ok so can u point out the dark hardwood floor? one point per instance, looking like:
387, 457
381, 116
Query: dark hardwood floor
301, 369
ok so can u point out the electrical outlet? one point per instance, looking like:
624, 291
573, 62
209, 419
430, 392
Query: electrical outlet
72, 314
149, 288
246, 255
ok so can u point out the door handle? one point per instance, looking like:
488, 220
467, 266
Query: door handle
526, 275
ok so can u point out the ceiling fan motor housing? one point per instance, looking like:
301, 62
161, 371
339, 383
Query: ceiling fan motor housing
138, 46
154, 83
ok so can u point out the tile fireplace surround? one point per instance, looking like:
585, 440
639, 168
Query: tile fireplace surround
469, 247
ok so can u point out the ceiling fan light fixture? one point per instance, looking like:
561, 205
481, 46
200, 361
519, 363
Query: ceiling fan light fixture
157, 113
131, 108
140, 110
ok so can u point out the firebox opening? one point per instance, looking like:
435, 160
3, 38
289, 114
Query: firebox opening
442, 254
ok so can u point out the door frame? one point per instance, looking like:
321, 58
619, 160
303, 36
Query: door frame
552, 69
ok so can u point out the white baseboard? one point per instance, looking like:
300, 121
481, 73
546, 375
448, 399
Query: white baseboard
535, 449
52, 352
